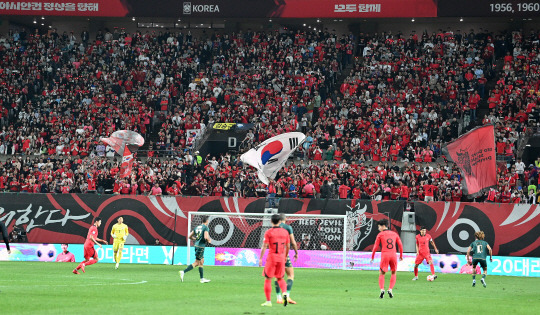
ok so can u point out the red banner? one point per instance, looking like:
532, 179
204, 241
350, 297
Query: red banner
474, 153
510, 229
356, 8
224, 8
64, 7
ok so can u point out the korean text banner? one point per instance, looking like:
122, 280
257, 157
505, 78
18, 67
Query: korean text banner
108, 8
224, 8
131, 254
502, 266
474, 153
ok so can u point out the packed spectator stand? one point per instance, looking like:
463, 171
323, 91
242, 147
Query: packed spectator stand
376, 109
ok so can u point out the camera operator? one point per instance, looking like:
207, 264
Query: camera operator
18, 235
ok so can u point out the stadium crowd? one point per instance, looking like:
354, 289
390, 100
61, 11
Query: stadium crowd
61, 93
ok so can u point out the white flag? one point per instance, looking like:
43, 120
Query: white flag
270, 156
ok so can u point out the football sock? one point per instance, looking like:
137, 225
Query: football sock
282, 285
190, 267
119, 256
392, 281
267, 288
381, 282
484, 276
289, 286
201, 272
416, 271
432, 269
278, 290
115, 255
90, 262
80, 265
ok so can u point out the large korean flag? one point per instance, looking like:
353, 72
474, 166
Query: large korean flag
270, 156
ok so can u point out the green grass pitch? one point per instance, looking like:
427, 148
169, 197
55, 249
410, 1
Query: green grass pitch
51, 288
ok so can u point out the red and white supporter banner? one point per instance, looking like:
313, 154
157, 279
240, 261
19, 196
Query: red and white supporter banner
224, 8
474, 153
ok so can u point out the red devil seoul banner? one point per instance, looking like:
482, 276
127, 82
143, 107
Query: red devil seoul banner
474, 153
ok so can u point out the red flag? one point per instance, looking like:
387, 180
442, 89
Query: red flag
474, 153
127, 163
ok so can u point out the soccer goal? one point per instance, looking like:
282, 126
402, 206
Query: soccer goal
321, 239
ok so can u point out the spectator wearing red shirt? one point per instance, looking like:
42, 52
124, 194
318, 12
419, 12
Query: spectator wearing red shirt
134, 186
474, 99
317, 154
156, 190
357, 192
14, 185
506, 195
395, 191
457, 194
173, 190
404, 191
309, 190
218, 190
125, 187
343, 191
91, 182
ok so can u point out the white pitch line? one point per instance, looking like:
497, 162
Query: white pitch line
72, 285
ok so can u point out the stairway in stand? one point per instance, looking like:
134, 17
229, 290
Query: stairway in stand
483, 106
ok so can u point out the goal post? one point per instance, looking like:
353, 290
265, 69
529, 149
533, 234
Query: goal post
321, 239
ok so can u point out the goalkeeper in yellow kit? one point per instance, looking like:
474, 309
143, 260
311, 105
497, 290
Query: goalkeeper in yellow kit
120, 233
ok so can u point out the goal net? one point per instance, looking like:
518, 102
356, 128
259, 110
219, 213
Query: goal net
238, 237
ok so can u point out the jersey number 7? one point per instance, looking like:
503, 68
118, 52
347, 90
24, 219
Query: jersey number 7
277, 244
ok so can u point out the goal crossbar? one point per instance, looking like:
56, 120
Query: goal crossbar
290, 216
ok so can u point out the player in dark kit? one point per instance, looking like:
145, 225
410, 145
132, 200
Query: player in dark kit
278, 241
480, 249
201, 237
5, 236
288, 265
387, 240
90, 255
422, 252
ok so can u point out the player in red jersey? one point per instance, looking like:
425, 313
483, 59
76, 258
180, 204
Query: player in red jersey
90, 255
278, 241
387, 240
422, 252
